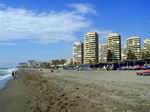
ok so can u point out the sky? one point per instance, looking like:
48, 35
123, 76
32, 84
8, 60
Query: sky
46, 29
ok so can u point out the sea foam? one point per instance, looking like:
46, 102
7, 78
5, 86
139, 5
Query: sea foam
5, 76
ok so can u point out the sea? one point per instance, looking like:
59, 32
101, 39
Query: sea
5, 76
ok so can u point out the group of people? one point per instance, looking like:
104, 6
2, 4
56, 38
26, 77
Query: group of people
14, 75
108, 67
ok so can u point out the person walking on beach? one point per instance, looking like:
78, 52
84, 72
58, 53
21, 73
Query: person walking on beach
13, 74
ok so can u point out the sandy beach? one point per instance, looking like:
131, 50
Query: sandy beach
76, 91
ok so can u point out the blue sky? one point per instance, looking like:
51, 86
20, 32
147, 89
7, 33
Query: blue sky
46, 29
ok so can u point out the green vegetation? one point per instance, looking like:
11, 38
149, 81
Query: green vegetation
58, 62
145, 55
71, 62
111, 57
131, 55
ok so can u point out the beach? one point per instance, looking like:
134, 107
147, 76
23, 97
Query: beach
76, 91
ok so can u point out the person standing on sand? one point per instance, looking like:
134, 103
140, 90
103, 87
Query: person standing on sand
13, 74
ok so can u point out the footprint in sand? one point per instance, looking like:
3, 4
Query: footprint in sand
63, 95
77, 88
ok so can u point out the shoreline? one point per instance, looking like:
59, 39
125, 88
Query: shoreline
12, 96
5, 82
5, 79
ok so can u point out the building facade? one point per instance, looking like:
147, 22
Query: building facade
91, 48
134, 45
147, 44
103, 49
114, 44
124, 53
77, 53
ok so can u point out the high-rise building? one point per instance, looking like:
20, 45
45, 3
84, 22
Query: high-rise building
124, 53
91, 48
134, 45
147, 44
77, 52
103, 49
114, 44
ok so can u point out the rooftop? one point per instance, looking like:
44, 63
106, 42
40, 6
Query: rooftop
133, 37
113, 34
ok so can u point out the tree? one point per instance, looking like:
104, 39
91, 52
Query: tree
90, 61
131, 55
71, 62
63, 61
114, 58
57, 62
109, 56
145, 55
75, 63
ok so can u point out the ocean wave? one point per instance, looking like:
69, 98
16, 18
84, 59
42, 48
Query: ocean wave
5, 77
6, 73
11, 69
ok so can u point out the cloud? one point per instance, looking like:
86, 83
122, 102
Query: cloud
83, 8
22, 25
27, 25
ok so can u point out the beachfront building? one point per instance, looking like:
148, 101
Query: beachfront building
114, 44
91, 48
103, 49
147, 44
124, 53
22, 65
68, 61
134, 45
31, 63
77, 53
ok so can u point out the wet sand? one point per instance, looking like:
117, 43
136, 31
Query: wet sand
14, 96
76, 91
